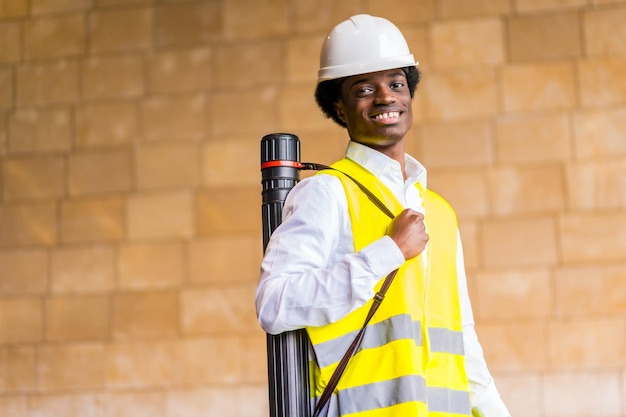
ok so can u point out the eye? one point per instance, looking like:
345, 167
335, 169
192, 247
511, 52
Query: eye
396, 85
363, 91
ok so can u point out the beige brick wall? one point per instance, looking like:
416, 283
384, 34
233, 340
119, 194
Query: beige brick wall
130, 232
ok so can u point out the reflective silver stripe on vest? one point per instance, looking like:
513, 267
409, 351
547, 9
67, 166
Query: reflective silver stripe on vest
447, 400
394, 328
382, 394
445, 340
400, 390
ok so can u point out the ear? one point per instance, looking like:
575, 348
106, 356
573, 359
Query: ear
339, 110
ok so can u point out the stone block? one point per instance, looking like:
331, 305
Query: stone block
465, 189
242, 20
181, 70
221, 260
35, 129
21, 320
578, 394
588, 343
590, 290
234, 63
255, 357
70, 318
553, 87
94, 219
47, 83
116, 76
188, 23
228, 211
151, 266
83, 269
167, 166
300, 64
7, 87
24, 271
514, 294
530, 139
136, 404
121, 29
201, 401
232, 162
10, 47
104, 124
531, 6
558, 34
521, 393
316, 16
592, 237
604, 32
250, 112
55, 36
603, 182
47, 6
526, 190
33, 178
458, 95
454, 145
297, 111
64, 404
219, 310
100, 172
528, 241
515, 348
403, 12
18, 371
252, 400
601, 81
192, 368
599, 134
452, 9
10, 8
28, 224
160, 215
139, 365
141, 315
468, 43
15, 406
174, 118
67, 367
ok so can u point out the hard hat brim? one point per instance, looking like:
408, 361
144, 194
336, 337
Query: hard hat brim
347, 70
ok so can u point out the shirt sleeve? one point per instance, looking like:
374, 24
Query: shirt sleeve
310, 273
484, 396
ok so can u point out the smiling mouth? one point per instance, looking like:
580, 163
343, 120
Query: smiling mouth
387, 116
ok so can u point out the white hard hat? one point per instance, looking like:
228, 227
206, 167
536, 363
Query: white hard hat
363, 44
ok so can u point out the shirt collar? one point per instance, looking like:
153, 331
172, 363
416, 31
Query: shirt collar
381, 165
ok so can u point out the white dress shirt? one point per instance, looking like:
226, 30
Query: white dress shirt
311, 275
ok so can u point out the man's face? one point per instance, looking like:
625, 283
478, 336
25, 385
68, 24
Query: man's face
376, 108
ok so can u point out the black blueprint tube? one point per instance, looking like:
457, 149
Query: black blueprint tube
287, 353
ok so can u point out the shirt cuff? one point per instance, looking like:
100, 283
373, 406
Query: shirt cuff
383, 256
489, 403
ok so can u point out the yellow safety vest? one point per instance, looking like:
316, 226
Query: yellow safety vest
411, 360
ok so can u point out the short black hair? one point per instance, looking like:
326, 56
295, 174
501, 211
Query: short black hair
327, 93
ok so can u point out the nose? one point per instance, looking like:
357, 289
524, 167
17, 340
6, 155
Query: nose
384, 95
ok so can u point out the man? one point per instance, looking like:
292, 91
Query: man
420, 355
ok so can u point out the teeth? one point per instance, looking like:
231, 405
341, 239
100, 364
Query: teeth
388, 115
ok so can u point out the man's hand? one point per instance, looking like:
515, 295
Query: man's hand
409, 232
